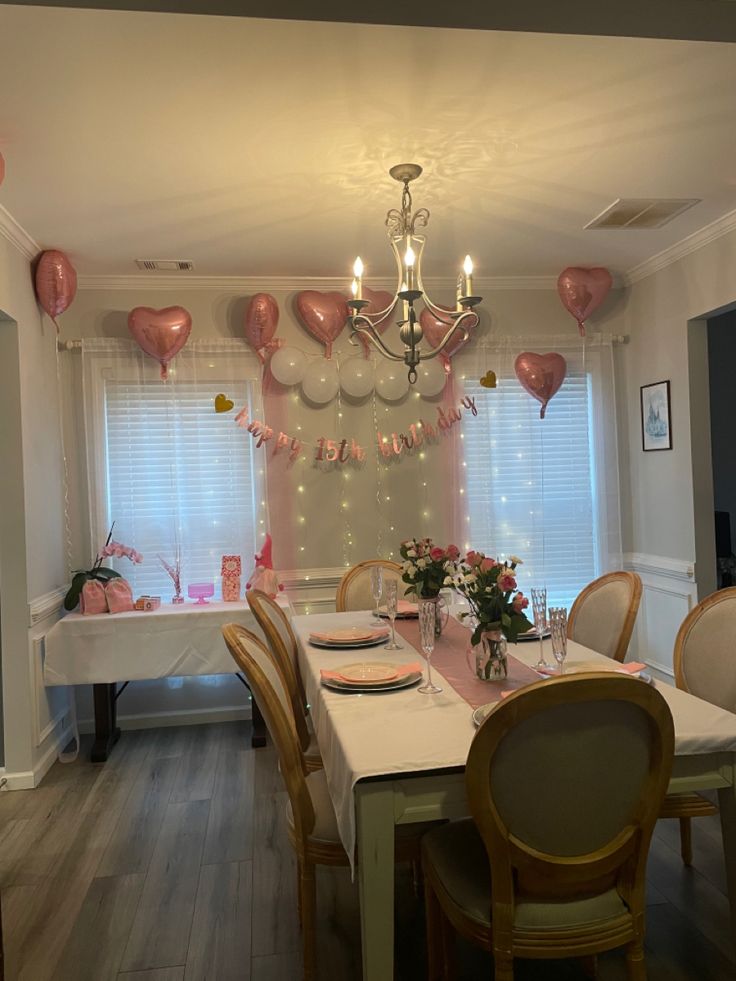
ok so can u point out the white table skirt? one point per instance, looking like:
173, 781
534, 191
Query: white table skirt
172, 641
403, 732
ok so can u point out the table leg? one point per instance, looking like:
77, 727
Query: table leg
374, 804
106, 729
258, 732
727, 807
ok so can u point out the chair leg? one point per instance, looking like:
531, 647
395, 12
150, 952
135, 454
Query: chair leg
299, 890
435, 946
589, 964
635, 963
308, 896
503, 963
686, 840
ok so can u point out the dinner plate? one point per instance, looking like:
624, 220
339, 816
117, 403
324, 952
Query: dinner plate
406, 611
404, 681
347, 634
369, 671
350, 645
532, 635
481, 713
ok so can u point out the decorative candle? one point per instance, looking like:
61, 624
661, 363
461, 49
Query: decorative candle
459, 294
358, 281
405, 304
409, 260
468, 270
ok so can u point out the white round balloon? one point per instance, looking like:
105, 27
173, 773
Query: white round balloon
392, 380
357, 377
431, 378
320, 382
287, 365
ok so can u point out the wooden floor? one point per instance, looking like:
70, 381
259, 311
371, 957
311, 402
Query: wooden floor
171, 863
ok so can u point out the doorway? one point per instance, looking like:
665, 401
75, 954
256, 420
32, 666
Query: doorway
722, 376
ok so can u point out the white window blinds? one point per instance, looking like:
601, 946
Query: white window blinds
532, 484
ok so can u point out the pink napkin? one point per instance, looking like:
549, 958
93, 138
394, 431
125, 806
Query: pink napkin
402, 671
630, 668
373, 635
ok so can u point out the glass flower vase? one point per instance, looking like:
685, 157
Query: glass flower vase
489, 660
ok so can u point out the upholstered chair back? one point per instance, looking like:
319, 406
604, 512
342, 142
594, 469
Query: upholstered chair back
354, 591
603, 615
705, 650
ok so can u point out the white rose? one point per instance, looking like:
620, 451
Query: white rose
448, 581
470, 578
412, 573
421, 563
412, 553
517, 561
407, 566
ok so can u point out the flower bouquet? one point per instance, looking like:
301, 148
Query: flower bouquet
489, 586
425, 566
99, 571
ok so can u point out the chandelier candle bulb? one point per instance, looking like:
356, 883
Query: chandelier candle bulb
468, 270
409, 260
358, 281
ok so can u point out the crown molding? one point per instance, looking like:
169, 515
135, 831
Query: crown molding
249, 284
14, 232
691, 243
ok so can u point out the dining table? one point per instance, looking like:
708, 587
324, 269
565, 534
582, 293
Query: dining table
398, 756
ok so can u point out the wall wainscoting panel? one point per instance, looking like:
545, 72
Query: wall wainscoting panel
669, 593
50, 707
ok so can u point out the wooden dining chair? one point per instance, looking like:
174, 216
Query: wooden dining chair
603, 614
565, 780
283, 646
354, 589
705, 665
311, 815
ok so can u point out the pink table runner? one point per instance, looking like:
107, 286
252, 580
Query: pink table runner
450, 659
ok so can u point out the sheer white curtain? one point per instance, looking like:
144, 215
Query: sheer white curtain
546, 490
165, 467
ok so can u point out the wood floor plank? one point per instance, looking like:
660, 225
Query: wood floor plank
160, 974
133, 840
708, 856
220, 940
160, 933
195, 777
279, 967
95, 946
275, 923
230, 827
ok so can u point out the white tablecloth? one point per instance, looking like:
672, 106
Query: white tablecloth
362, 736
169, 642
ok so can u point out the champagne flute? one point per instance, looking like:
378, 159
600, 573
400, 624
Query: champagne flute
376, 590
427, 621
539, 608
392, 602
558, 629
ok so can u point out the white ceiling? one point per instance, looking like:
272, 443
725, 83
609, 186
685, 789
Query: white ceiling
260, 148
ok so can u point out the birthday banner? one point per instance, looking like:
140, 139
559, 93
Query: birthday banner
348, 450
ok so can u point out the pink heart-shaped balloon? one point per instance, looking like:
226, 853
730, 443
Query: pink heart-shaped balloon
323, 314
435, 329
541, 375
261, 321
160, 333
378, 300
56, 282
582, 291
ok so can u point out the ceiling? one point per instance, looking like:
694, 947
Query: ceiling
260, 147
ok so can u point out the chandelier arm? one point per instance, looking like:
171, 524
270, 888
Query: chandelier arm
439, 312
379, 315
369, 332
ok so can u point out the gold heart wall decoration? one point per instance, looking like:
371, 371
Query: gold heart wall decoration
223, 404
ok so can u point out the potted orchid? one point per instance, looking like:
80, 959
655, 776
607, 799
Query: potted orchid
425, 569
99, 571
496, 606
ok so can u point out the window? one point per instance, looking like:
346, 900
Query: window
169, 469
532, 484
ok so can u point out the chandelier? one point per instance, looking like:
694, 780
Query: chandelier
408, 245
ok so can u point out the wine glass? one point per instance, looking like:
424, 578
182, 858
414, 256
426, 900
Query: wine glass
392, 603
376, 590
427, 620
558, 629
539, 608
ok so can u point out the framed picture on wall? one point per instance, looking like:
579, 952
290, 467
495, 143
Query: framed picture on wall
656, 429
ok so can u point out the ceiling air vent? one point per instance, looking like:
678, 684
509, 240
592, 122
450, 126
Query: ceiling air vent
165, 265
641, 212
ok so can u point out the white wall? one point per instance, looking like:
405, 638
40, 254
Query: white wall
32, 561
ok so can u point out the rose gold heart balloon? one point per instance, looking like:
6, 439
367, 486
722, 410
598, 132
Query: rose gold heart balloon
582, 291
56, 283
541, 375
378, 300
160, 333
261, 321
435, 329
323, 314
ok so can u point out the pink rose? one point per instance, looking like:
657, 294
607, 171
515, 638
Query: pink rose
519, 602
453, 552
506, 582
486, 565
474, 558
436, 554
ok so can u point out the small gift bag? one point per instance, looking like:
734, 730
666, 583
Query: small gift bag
231, 570
119, 596
92, 599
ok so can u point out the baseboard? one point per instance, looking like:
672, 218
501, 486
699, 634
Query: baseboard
30, 779
159, 720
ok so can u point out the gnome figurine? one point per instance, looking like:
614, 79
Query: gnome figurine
264, 577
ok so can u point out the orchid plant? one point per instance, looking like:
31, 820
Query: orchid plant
425, 566
489, 585
99, 571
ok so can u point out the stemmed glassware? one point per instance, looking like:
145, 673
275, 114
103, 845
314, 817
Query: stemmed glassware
392, 605
376, 590
539, 608
558, 629
427, 620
